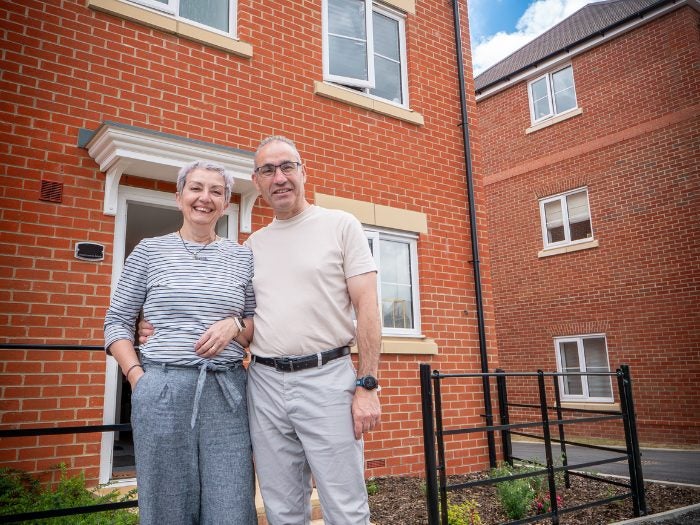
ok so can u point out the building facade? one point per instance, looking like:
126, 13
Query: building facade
104, 100
591, 142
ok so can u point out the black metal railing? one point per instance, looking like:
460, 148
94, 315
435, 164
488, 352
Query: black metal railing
434, 435
47, 431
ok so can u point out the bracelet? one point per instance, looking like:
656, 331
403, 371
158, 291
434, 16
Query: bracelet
240, 323
126, 375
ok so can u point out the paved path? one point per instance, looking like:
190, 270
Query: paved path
678, 466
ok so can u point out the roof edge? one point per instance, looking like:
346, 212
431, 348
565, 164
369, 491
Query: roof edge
659, 8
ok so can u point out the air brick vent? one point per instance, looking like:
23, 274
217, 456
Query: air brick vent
51, 191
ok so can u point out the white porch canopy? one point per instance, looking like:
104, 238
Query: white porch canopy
120, 149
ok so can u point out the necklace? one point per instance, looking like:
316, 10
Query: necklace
195, 255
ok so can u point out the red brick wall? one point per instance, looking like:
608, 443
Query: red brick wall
636, 149
66, 67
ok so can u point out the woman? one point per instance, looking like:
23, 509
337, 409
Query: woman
189, 416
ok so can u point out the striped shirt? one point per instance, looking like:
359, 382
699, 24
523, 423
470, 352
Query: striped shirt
181, 296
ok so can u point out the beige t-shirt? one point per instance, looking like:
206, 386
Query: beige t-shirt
301, 266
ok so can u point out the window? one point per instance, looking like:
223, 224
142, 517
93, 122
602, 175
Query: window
364, 48
552, 94
217, 14
583, 354
566, 219
396, 256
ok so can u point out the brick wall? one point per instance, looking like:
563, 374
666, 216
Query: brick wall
66, 67
635, 147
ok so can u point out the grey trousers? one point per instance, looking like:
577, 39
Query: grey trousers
200, 473
301, 426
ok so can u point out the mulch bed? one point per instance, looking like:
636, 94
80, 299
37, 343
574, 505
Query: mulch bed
401, 501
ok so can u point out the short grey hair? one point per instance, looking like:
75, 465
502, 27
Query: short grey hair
278, 138
208, 166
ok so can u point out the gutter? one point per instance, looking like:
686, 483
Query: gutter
473, 234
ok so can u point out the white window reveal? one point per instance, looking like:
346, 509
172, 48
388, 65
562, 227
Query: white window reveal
212, 14
566, 219
364, 48
580, 354
396, 255
552, 94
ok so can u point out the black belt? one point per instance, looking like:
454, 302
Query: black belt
292, 364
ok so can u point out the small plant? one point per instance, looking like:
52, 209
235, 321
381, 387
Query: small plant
516, 495
466, 513
372, 487
20, 492
424, 488
542, 503
519, 496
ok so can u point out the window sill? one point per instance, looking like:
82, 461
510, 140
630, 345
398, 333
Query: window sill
407, 346
592, 405
171, 24
569, 248
554, 120
409, 6
360, 100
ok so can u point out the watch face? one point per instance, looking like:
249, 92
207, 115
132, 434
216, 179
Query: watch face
369, 382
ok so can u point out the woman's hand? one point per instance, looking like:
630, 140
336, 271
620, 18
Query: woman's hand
145, 330
216, 338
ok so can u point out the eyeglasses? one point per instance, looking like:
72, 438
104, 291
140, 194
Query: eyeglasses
287, 167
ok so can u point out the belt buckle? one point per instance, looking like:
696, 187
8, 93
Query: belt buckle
281, 364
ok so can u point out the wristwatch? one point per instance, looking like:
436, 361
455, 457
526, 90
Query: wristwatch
367, 382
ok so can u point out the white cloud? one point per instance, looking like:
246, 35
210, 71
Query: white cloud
539, 16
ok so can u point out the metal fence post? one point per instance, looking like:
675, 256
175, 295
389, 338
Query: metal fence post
548, 447
429, 445
634, 456
503, 411
562, 437
442, 462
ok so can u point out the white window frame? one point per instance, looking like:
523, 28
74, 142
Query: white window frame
376, 235
550, 97
565, 219
349, 81
582, 368
364, 86
172, 7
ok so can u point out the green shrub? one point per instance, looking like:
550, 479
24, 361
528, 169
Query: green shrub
521, 495
466, 513
20, 492
372, 487
516, 495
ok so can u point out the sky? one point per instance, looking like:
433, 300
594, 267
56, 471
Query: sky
499, 27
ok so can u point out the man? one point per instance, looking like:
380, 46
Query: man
307, 417
307, 407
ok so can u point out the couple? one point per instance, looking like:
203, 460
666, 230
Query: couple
306, 414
